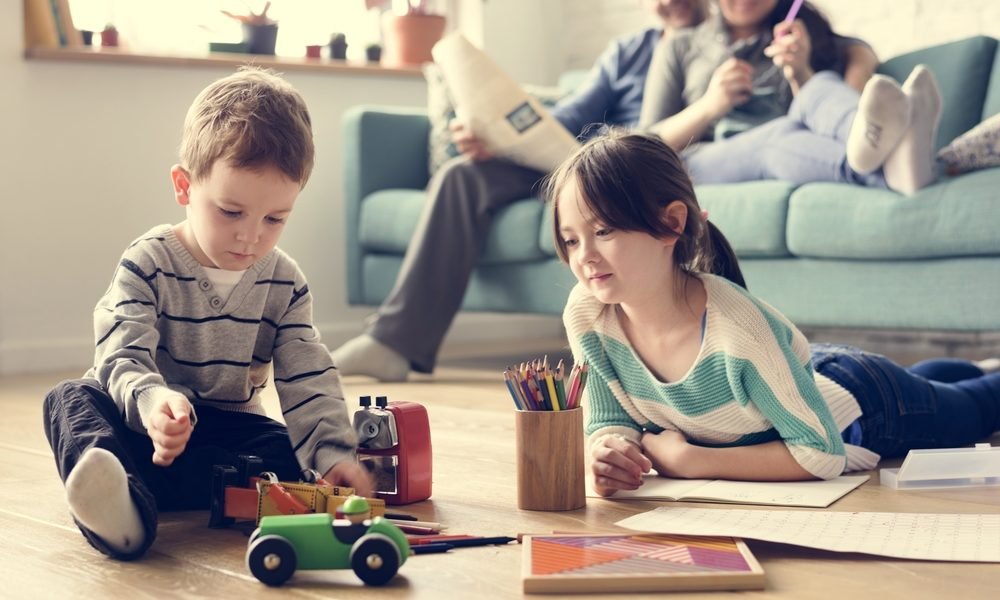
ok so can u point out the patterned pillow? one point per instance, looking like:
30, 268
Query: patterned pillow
441, 110
977, 148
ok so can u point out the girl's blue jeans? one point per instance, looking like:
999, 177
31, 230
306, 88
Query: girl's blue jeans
940, 403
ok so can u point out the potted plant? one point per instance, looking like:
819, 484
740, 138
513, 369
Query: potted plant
373, 52
338, 46
410, 35
260, 32
109, 36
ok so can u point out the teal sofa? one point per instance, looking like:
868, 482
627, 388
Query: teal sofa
827, 255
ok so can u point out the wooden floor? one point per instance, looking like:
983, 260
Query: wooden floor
44, 556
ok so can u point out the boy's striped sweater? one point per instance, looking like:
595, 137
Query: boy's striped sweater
752, 382
162, 325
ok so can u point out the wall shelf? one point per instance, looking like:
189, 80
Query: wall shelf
278, 63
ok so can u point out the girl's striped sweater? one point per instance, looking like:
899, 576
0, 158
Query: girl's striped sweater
752, 382
161, 324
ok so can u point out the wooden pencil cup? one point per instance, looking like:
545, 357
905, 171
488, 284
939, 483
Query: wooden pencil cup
549, 459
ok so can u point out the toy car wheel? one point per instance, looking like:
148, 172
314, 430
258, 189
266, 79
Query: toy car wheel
271, 559
375, 559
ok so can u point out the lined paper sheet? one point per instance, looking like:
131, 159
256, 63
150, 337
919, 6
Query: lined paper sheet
926, 536
813, 494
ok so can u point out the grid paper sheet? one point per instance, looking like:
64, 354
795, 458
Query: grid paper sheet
924, 536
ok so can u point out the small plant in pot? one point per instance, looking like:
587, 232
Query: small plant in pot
338, 46
109, 36
410, 35
373, 52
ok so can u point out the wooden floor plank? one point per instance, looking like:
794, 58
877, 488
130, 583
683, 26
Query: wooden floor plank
44, 556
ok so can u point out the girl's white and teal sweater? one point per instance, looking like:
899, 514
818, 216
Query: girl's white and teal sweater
163, 327
752, 382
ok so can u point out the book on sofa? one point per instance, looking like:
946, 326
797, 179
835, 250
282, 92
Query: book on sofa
498, 110
809, 494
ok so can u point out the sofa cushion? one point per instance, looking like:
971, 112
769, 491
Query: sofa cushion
962, 70
751, 216
389, 217
955, 217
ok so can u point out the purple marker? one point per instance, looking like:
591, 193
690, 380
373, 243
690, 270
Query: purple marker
794, 10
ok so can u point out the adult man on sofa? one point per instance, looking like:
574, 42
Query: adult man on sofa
466, 192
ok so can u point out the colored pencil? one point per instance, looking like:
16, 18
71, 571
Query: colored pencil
435, 548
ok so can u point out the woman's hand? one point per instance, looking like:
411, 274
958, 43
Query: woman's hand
617, 464
467, 142
730, 86
668, 451
792, 50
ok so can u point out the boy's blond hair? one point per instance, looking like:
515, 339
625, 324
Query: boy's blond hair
252, 119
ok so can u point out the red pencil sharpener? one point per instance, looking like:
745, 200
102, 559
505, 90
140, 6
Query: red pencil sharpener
394, 444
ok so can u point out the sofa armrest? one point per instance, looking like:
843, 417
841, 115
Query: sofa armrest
383, 148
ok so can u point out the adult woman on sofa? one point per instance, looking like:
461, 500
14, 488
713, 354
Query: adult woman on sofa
466, 193
780, 100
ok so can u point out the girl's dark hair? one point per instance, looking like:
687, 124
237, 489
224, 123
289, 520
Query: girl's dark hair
824, 52
626, 180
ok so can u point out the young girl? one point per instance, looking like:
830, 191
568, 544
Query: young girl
692, 375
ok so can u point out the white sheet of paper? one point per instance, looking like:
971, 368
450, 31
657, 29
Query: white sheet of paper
811, 494
498, 110
926, 536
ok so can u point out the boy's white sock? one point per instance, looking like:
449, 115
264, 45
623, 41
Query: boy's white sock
364, 355
98, 496
910, 166
882, 118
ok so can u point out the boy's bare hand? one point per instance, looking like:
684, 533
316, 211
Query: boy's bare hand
617, 464
170, 428
351, 474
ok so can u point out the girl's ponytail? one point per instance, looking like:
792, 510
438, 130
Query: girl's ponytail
719, 258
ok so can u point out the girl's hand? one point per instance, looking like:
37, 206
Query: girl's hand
668, 451
617, 464
351, 474
791, 50
467, 143
730, 86
170, 428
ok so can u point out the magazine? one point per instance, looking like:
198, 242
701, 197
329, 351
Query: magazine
497, 110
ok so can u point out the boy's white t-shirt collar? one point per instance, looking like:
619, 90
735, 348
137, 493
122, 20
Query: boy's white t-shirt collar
223, 280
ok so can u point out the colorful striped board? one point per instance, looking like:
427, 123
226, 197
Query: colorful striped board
637, 563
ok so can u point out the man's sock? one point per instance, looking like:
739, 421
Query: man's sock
98, 496
910, 166
364, 355
882, 118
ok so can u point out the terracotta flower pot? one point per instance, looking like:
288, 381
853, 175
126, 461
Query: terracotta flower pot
409, 38
109, 38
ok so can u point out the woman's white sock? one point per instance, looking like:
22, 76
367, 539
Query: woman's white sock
882, 118
910, 166
98, 496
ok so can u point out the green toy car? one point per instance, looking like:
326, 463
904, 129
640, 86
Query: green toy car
373, 548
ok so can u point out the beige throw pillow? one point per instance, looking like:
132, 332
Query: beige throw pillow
977, 148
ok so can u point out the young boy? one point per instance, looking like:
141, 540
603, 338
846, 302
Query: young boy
196, 315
